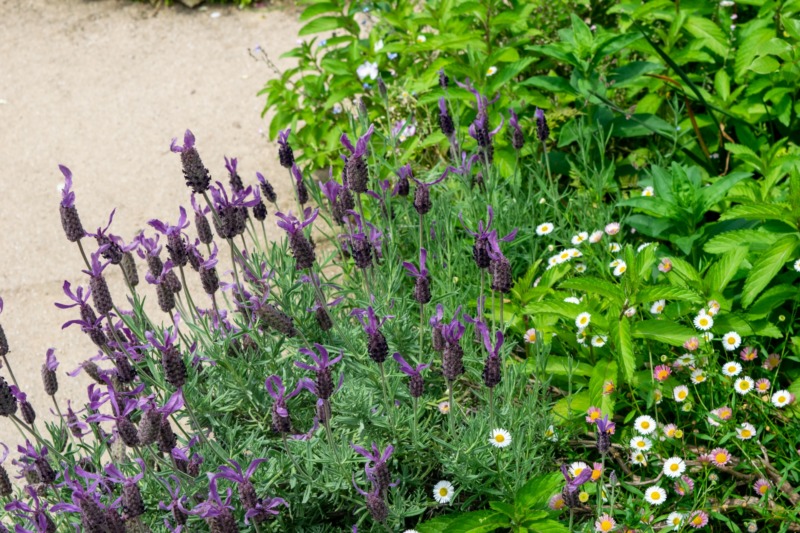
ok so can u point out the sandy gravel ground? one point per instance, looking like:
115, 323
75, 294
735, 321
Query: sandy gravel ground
102, 86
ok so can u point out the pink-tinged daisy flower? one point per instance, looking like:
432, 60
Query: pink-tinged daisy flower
771, 361
686, 359
645, 424
692, 344
444, 407
595, 237
748, 353
669, 430
746, 431
720, 414
608, 387
556, 502
658, 396
697, 519
661, 373
720, 457
713, 307
782, 398
761, 487
593, 415
665, 265
580, 238
744, 385
597, 471
732, 368
684, 486
731, 341
655, 495
530, 336
674, 467
629, 312
703, 321
612, 228
763, 385
698, 376
604, 523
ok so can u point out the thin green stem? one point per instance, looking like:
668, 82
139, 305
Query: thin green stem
452, 405
83, 254
192, 307
10, 372
386, 400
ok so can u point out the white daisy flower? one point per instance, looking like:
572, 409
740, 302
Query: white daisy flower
674, 467
703, 321
583, 320
731, 368
410, 531
553, 261
574, 252
744, 385
797, 265
658, 307
443, 492
638, 458
564, 256
599, 341
642, 444
698, 376
378, 46
614, 263
614, 247
655, 495
648, 191
643, 246
572, 300
746, 431
579, 238
530, 336
680, 393
550, 434
367, 70
580, 268
500, 438
491, 71
645, 424
421, 38
731, 341
544, 229
596, 236
620, 269
577, 467
674, 519
629, 312
686, 359
707, 336
782, 398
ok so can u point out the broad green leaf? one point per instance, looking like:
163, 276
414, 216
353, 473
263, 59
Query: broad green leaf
504, 508
780, 212
766, 266
764, 65
666, 292
771, 299
715, 192
722, 272
558, 364
318, 9
709, 34
478, 522
746, 155
547, 526
625, 356
632, 72
604, 371
550, 83
321, 24
747, 50
592, 285
722, 84
686, 270
725, 242
578, 403
536, 492
664, 331
583, 35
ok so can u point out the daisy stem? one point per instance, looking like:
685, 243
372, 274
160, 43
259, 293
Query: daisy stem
491, 407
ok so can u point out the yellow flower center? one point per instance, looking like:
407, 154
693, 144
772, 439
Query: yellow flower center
781, 398
682, 394
583, 497
596, 474
746, 433
578, 471
662, 374
443, 492
645, 425
697, 520
678, 433
606, 525
500, 438
640, 444
655, 495
703, 321
732, 369
744, 385
721, 457
699, 378
674, 467
762, 489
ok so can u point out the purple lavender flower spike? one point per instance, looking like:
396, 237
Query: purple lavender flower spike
285, 154
517, 137
201, 224
231, 211
323, 382
247, 492
37, 514
499, 266
355, 166
281, 422
422, 287
416, 385
216, 512
445, 120
177, 502
570, 491
300, 186
422, 196
235, 179
195, 174
542, 130
101, 296
266, 188
263, 509
172, 363
176, 245
377, 347
70, 220
39, 461
437, 326
403, 186
453, 353
302, 250
492, 367
378, 471
605, 429
376, 502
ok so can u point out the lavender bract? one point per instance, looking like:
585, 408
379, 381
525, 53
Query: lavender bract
195, 174
416, 384
355, 166
422, 287
70, 220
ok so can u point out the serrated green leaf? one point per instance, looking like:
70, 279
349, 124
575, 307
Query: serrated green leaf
723, 270
772, 298
766, 266
592, 285
478, 522
663, 331
666, 292
708, 33
578, 403
560, 365
725, 242
547, 526
780, 212
550, 83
